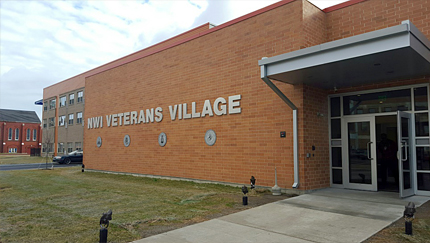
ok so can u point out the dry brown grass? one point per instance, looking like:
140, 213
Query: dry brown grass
65, 205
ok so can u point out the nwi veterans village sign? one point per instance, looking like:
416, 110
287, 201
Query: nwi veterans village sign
219, 107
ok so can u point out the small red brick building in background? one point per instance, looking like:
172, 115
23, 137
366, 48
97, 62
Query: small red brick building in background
19, 131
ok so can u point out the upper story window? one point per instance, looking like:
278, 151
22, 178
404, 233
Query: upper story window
17, 134
28, 134
79, 117
34, 134
45, 124
52, 104
9, 137
51, 121
80, 96
78, 146
63, 101
60, 147
45, 105
69, 147
61, 120
71, 116
71, 99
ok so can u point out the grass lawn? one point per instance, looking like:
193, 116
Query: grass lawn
65, 205
22, 159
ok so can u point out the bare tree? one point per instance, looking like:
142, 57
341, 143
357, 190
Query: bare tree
47, 142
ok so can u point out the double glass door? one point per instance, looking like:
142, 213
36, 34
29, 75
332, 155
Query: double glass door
360, 154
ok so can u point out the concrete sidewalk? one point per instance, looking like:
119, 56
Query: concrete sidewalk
328, 215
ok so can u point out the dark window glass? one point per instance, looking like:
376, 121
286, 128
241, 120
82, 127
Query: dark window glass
423, 181
387, 101
423, 158
336, 157
421, 100
335, 107
337, 176
422, 124
360, 166
406, 180
335, 128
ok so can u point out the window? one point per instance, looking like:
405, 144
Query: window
62, 101
28, 134
71, 99
10, 134
386, 101
420, 96
71, 119
69, 147
12, 150
61, 120
52, 104
45, 124
422, 124
50, 147
17, 134
34, 134
79, 118
80, 96
51, 121
45, 105
60, 148
78, 146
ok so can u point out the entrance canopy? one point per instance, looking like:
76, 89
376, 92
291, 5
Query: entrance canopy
393, 53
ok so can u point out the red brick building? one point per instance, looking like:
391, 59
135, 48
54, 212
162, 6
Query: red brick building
19, 131
336, 86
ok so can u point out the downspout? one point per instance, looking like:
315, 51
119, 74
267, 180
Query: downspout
295, 123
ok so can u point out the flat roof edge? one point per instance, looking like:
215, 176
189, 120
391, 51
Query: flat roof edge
342, 5
417, 33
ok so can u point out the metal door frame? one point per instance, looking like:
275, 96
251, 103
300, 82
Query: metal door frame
345, 153
409, 152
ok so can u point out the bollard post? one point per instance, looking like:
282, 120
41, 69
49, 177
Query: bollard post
104, 224
252, 180
245, 198
409, 215
103, 235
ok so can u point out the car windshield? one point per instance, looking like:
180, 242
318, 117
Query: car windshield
75, 152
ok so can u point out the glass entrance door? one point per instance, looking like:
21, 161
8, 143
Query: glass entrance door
360, 153
404, 133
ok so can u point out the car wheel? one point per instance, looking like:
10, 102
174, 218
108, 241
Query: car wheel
67, 161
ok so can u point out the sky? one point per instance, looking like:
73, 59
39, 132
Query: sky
45, 42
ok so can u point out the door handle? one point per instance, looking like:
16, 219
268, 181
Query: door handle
368, 150
405, 145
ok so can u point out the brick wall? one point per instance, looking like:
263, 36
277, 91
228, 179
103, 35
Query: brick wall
221, 64
377, 14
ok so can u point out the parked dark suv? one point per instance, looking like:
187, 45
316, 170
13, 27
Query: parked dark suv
75, 156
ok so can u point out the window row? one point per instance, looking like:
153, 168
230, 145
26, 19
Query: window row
17, 131
380, 102
61, 148
63, 101
62, 120
421, 126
